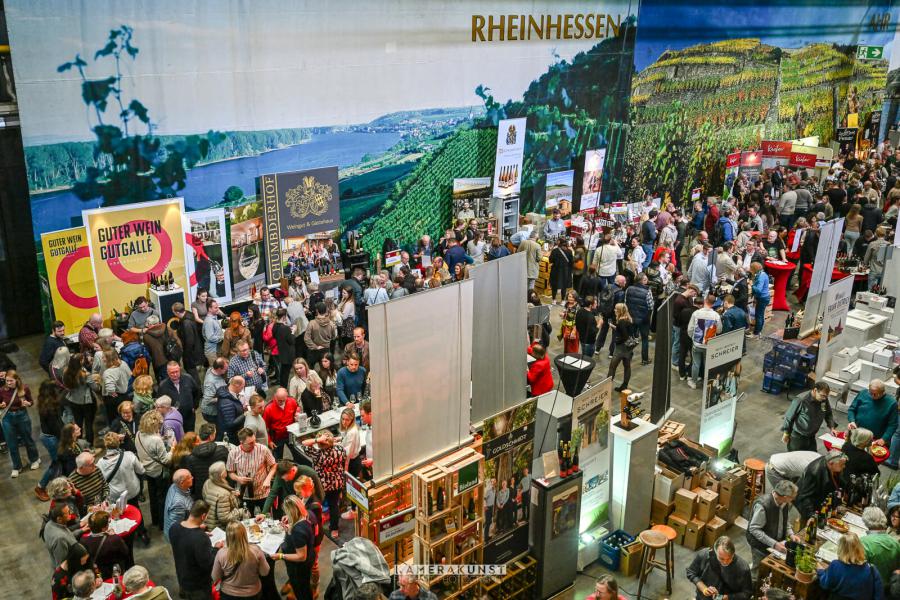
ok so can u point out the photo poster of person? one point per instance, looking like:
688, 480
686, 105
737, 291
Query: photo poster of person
618, 211
751, 162
558, 192
248, 261
732, 166
508, 448
591, 411
721, 381
207, 257
565, 512
316, 256
592, 182
775, 154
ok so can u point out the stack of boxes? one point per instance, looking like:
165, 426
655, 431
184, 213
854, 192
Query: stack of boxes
853, 368
786, 366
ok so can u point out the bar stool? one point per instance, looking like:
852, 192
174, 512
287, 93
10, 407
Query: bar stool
756, 478
653, 540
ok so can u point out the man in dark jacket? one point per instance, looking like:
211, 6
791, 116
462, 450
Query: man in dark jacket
617, 291
872, 215
586, 325
284, 340
648, 237
805, 416
733, 317
639, 301
820, 479
191, 338
184, 392
231, 411
52, 343
681, 301
718, 572
202, 456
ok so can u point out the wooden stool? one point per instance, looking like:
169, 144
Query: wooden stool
653, 540
756, 478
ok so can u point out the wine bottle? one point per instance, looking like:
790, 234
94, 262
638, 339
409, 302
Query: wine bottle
430, 503
440, 499
471, 508
810, 535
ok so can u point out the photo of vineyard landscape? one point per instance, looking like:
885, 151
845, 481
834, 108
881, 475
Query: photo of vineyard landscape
745, 72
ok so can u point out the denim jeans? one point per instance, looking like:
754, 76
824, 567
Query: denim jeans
895, 449
676, 345
648, 252
16, 429
760, 314
644, 330
51, 443
697, 354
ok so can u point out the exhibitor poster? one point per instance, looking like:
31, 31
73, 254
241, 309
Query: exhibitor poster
751, 163
590, 428
295, 206
510, 153
508, 447
248, 263
70, 276
558, 192
205, 242
804, 161
593, 178
732, 165
837, 305
775, 154
129, 243
846, 140
723, 360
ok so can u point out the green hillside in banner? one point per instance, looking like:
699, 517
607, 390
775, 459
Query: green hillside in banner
693, 106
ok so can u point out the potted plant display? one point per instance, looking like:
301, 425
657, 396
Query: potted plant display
805, 562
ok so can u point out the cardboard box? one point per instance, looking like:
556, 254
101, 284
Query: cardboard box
706, 505
630, 561
714, 530
851, 372
693, 534
666, 484
884, 358
660, 511
731, 496
679, 525
685, 504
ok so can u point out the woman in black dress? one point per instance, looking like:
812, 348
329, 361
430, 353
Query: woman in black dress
561, 260
298, 549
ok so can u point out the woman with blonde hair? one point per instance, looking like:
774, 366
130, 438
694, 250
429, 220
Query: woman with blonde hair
622, 338
224, 505
154, 457
58, 365
329, 461
351, 441
239, 565
850, 576
143, 394
298, 549
183, 449
299, 377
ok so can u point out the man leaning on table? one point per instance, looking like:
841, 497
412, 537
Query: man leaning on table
718, 572
770, 522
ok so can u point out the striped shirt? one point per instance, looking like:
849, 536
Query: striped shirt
254, 464
93, 487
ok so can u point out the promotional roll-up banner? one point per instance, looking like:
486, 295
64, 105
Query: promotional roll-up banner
129, 244
295, 206
558, 192
592, 182
846, 140
775, 154
732, 165
248, 262
751, 162
510, 153
720, 390
508, 448
590, 424
802, 160
70, 276
206, 243
837, 305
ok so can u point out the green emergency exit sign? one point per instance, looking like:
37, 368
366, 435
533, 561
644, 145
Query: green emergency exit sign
869, 52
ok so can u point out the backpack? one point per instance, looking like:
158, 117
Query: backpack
141, 367
607, 301
718, 235
171, 348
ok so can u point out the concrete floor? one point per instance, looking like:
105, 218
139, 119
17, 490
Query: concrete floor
27, 572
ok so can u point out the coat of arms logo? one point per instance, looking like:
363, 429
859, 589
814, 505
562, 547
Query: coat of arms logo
511, 135
311, 197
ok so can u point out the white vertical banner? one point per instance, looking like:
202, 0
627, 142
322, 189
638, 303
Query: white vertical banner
723, 355
593, 178
829, 237
510, 154
837, 305
590, 420
207, 252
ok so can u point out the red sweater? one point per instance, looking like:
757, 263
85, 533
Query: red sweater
277, 419
540, 378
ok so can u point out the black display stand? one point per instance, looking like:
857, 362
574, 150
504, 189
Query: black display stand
553, 534
573, 377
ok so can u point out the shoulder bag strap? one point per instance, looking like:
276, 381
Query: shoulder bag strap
97, 551
153, 458
116, 468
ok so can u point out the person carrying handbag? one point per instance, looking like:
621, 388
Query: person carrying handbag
625, 345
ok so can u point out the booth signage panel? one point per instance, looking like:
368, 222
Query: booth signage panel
591, 414
592, 183
467, 477
70, 276
207, 251
396, 526
510, 154
720, 393
356, 492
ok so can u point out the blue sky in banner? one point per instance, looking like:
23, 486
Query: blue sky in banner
673, 25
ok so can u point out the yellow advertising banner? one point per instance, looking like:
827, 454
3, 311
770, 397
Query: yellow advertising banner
129, 244
70, 276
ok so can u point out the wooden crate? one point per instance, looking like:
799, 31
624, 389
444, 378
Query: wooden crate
670, 430
780, 576
442, 525
431, 488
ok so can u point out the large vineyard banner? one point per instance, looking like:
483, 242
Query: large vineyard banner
135, 101
735, 73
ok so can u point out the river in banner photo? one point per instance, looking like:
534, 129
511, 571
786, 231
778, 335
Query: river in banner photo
206, 184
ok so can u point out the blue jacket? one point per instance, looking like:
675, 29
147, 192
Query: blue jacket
727, 229
734, 318
350, 383
894, 499
131, 351
231, 414
879, 417
854, 582
639, 301
455, 255
761, 286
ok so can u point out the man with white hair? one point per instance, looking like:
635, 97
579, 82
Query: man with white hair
820, 480
882, 549
872, 409
173, 422
859, 461
83, 584
770, 522
178, 500
87, 337
89, 480
136, 581
410, 589
788, 466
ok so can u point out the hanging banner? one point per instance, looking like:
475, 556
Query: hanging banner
590, 425
775, 154
558, 192
207, 253
510, 152
830, 234
70, 276
295, 206
723, 359
248, 263
130, 243
750, 165
592, 182
837, 305
508, 447
846, 140
732, 165
802, 160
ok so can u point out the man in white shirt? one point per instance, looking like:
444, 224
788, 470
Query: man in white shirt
704, 324
699, 271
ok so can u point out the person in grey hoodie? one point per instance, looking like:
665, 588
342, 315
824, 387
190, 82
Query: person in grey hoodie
805, 416
212, 331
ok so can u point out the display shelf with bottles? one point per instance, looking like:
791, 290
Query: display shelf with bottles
518, 582
507, 212
384, 501
431, 489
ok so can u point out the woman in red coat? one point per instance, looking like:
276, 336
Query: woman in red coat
539, 376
